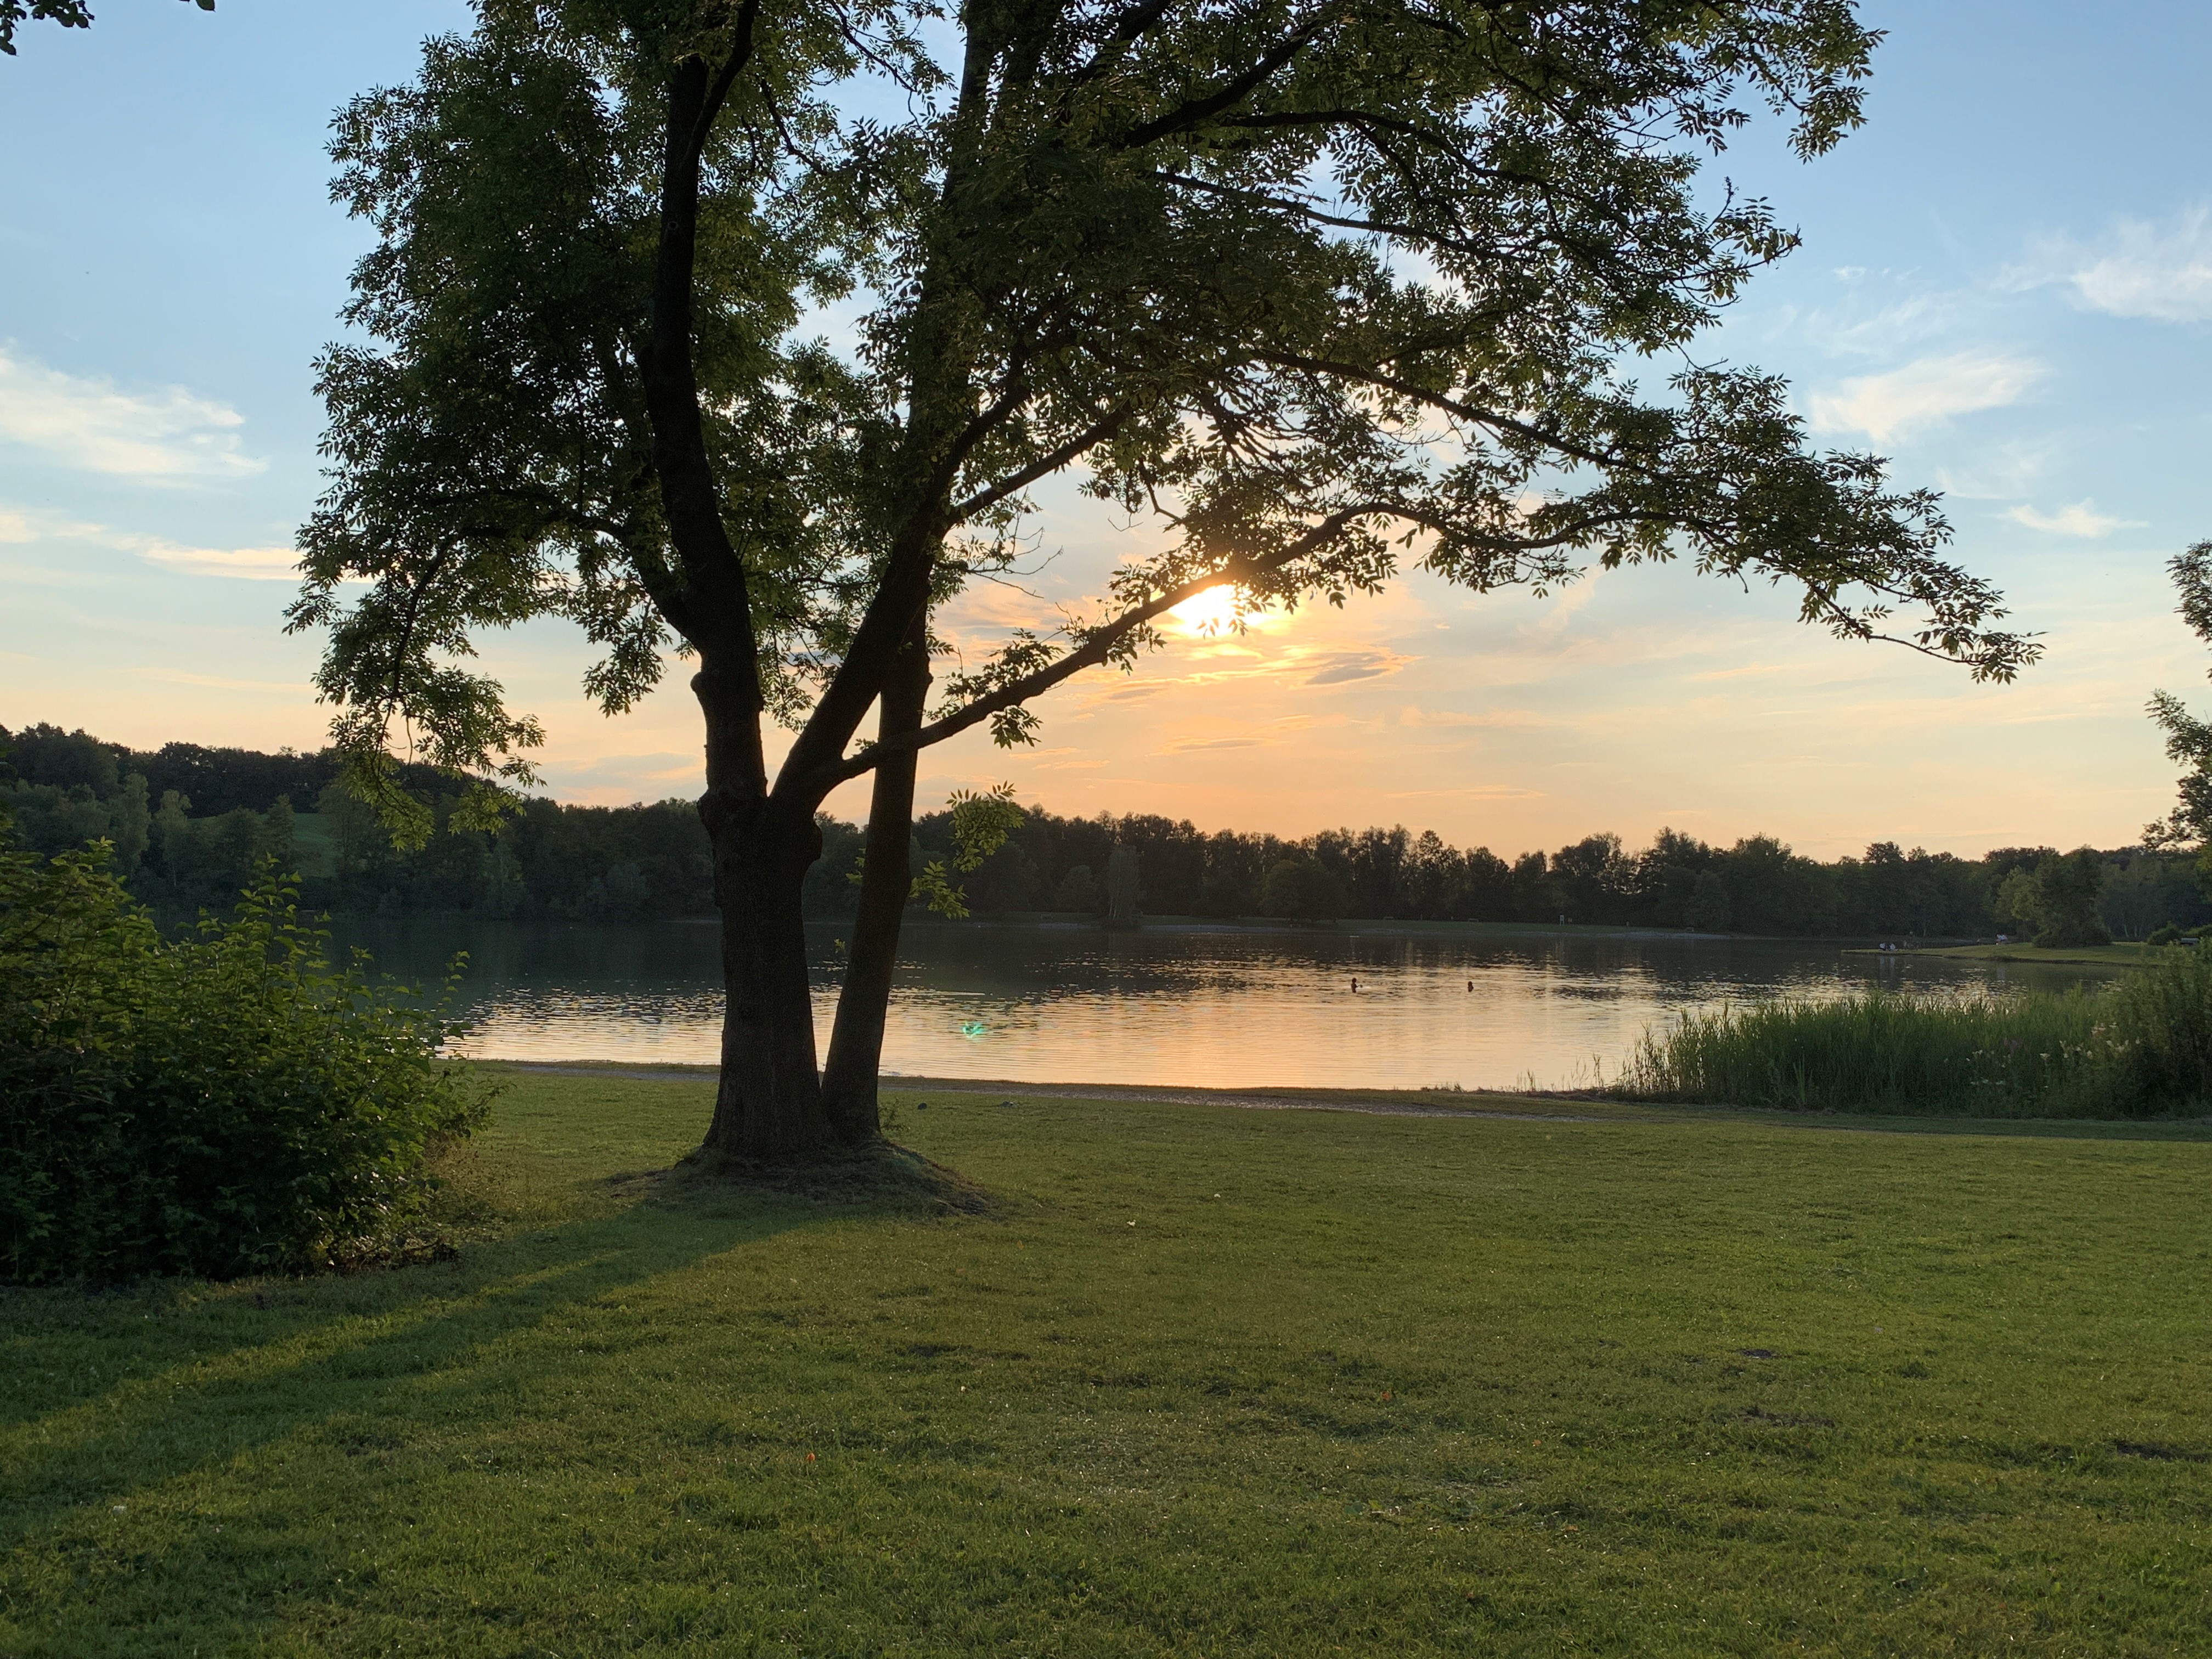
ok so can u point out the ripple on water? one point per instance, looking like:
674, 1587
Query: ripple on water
1200, 1009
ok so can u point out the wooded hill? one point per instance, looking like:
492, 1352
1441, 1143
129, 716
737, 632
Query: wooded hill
188, 824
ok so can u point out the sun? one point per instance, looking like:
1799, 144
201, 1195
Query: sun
1210, 614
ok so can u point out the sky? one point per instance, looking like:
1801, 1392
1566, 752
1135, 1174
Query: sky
2005, 286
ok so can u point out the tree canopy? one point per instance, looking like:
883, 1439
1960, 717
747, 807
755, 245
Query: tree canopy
2188, 739
1320, 288
69, 14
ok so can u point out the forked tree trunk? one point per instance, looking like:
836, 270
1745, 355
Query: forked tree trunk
768, 1104
856, 1041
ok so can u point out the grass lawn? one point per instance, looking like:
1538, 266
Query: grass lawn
1206, 1382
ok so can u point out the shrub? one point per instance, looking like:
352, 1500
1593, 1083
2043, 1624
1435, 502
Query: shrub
221, 1105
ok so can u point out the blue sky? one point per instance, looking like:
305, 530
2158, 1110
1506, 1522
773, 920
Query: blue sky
2006, 286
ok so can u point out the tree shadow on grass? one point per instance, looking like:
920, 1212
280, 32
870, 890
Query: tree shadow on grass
882, 1178
288, 1355
2015, 1129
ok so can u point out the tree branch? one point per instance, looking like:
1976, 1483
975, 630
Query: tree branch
1098, 649
1449, 405
1196, 109
1042, 467
741, 53
1133, 21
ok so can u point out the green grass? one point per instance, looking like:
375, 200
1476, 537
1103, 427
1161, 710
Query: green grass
1204, 1381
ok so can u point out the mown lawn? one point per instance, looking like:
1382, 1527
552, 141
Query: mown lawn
1206, 1381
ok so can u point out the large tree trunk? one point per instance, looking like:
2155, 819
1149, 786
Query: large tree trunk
856, 1041
768, 1104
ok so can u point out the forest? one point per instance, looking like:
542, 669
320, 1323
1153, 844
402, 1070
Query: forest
188, 825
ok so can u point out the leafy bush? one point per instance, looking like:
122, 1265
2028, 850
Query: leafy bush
222, 1105
2142, 1049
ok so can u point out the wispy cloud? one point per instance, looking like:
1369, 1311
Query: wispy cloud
160, 435
2160, 273
2005, 472
1128, 692
259, 564
2081, 519
19, 527
1748, 671
1493, 792
276, 564
1924, 393
1497, 720
179, 677
1342, 667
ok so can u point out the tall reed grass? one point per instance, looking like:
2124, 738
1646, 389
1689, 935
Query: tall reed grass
2139, 1049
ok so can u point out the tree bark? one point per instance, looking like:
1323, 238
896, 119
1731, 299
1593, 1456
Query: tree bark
856, 1041
768, 1102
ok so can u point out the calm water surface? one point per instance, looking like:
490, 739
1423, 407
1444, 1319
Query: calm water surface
1196, 1008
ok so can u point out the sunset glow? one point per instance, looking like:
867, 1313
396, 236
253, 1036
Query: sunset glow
2042, 361
1214, 613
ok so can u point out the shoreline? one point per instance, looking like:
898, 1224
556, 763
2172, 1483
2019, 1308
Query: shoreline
1350, 927
1493, 1105
2119, 954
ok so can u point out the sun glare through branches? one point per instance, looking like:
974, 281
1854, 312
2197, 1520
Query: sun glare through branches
1214, 613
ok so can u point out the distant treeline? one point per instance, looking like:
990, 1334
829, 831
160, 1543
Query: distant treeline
189, 822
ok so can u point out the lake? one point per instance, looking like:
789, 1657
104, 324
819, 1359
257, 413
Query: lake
1202, 1008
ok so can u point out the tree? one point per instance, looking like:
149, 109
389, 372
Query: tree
1319, 288
1589, 876
1122, 907
1666, 876
2188, 739
1535, 897
1078, 891
1772, 890
69, 14
2060, 899
1303, 890
1487, 892
1708, 910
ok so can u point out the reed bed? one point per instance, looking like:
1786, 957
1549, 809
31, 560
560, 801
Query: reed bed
2139, 1049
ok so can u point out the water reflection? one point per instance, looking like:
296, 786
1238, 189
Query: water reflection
1196, 1008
